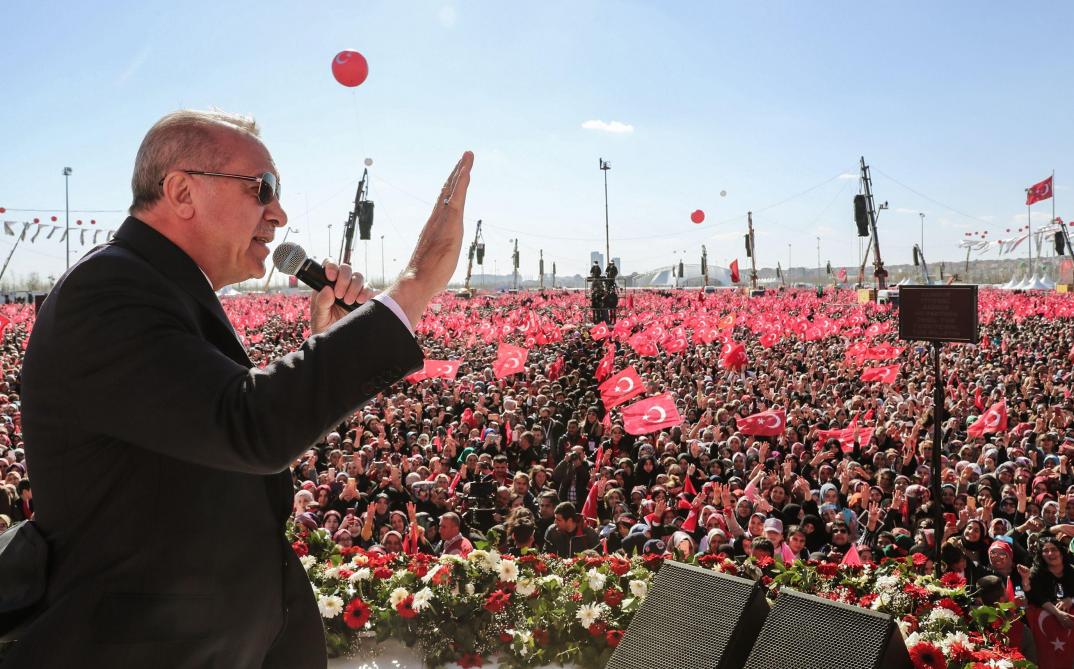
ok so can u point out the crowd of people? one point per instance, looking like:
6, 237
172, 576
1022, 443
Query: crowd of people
534, 460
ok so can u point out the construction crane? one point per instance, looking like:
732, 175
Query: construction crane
919, 261
477, 248
871, 212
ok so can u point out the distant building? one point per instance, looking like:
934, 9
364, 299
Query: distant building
618, 265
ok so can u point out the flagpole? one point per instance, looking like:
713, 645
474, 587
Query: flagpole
1029, 226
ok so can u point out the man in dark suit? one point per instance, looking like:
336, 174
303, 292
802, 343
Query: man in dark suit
159, 455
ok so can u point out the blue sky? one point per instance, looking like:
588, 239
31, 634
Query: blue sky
966, 103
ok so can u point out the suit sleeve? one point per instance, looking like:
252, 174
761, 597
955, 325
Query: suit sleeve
141, 373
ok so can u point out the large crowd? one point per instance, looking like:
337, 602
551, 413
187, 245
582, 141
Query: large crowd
534, 461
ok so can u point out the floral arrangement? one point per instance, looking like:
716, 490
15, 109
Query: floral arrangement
538, 609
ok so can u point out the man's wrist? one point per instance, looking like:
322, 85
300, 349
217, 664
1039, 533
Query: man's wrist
411, 297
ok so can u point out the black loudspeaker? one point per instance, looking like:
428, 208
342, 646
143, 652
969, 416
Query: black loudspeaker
481, 253
365, 219
693, 618
861, 216
916, 261
749, 246
806, 632
39, 299
1060, 244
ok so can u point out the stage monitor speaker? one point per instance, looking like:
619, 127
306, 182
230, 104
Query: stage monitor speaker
365, 219
861, 216
693, 618
807, 632
39, 299
1060, 245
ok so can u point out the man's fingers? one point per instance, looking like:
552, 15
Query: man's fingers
354, 288
343, 281
331, 270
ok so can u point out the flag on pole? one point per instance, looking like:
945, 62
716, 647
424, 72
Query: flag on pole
734, 271
1039, 191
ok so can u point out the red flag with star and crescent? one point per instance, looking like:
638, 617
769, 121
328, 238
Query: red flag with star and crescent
1039, 191
621, 387
599, 331
607, 362
886, 374
650, 415
842, 275
734, 271
441, 369
765, 424
1055, 643
509, 360
734, 356
993, 420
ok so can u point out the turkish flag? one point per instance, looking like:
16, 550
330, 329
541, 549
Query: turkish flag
599, 331
443, 369
4, 322
1055, 643
769, 340
993, 420
848, 435
978, 401
842, 275
643, 345
769, 423
734, 271
623, 386
604, 368
877, 329
1039, 191
674, 343
589, 508
728, 321
509, 360
555, 369
882, 374
733, 356
650, 415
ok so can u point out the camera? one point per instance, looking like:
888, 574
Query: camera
480, 502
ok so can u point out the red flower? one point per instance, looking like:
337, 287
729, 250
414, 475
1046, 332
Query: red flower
953, 580
598, 629
950, 605
301, 549
537, 564
764, 562
406, 607
541, 636
867, 600
920, 559
382, 573
911, 620
345, 573
619, 566
613, 596
471, 660
594, 561
356, 614
505, 637
927, 656
915, 591
828, 569
496, 601
613, 637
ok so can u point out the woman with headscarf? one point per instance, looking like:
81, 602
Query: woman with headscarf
816, 534
1051, 581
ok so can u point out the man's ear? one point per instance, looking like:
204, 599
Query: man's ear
178, 196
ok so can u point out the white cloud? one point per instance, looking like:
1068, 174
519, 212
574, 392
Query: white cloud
615, 126
447, 16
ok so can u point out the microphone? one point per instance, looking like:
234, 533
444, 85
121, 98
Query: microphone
290, 258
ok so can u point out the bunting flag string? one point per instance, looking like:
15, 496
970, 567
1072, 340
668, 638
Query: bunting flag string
31, 230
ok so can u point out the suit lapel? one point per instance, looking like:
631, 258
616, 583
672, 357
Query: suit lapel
174, 263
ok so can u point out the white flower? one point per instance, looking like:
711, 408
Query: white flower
596, 580
422, 598
639, 589
589, 614
330, 606
913, 640
552, 581
331, 572
941, 615
397, 596
957, 637
904, 627
307, 561
470, 589
362, 574
888, 582
484, 559
508, 571
525, 638
525, 587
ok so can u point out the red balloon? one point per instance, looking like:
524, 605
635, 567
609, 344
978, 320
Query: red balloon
79, 221
37, 220
350, 68
698, 216
2, 210
93, 221
53, 219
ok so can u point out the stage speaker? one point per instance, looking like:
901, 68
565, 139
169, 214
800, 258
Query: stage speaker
806, 632
693, 618
861, 216
365, 219
1060, 245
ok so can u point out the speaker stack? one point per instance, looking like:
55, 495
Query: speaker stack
696, 618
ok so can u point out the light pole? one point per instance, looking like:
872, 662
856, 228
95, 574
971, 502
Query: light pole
382, 283
820, 274
67, 216
922, 215
604, 167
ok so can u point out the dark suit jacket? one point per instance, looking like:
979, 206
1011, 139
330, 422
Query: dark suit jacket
160, 464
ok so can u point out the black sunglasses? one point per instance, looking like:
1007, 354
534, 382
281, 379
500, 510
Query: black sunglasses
268, 187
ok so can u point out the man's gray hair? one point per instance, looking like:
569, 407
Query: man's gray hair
183, 139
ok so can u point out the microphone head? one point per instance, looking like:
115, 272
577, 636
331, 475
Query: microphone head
288, 257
